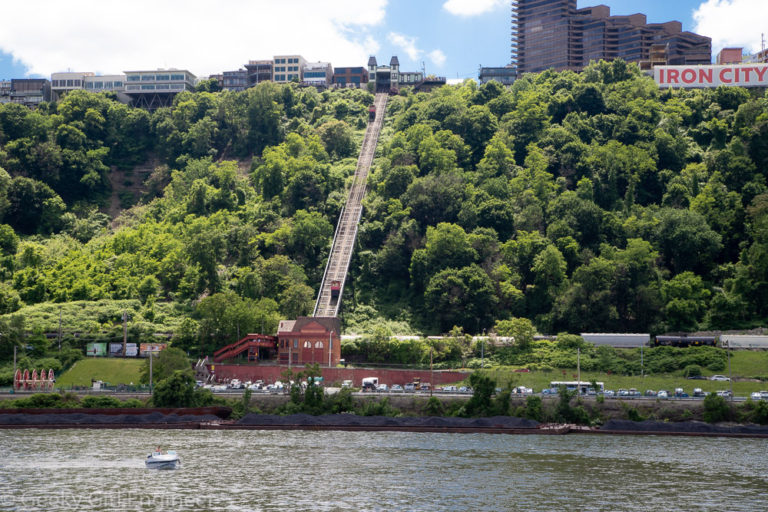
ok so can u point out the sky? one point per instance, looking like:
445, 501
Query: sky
450, 38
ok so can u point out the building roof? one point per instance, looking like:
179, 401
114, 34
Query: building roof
393, 61
329, 323
372, 61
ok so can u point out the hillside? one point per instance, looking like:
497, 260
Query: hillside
565, 203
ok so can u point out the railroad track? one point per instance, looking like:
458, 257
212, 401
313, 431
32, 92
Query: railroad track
346, 230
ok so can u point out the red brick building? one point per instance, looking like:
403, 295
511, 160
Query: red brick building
309, 340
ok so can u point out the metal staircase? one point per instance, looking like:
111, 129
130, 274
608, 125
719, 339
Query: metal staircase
332, 286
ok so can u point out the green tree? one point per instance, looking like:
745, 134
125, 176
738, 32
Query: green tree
165, 364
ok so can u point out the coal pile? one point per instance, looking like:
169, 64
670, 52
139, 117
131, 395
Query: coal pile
77, 418
352, 420
682, 427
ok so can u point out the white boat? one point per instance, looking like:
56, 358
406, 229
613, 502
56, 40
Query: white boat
162, 460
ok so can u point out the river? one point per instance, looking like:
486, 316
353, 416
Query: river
249, 470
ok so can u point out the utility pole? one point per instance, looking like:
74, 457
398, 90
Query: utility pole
730, 376
14, 365
125, 331
330, 347
150, 369
578, 368
59, 328
431, 372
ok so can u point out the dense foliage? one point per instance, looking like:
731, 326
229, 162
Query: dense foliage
575, 202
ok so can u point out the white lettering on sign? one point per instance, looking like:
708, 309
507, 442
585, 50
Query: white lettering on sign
742, 75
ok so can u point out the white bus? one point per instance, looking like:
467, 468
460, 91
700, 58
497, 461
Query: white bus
584, 388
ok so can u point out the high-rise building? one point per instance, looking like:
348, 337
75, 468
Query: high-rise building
555, 34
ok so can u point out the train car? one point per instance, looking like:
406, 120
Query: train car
743, 341
618, 340
335, 290
685, 340
372, 112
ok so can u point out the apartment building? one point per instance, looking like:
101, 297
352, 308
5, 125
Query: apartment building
234, 80
5, 91
258, 71
317, 74
350, 76
287, 68
30, 91
555, 34
153, 89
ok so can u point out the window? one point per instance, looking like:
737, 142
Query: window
88, 85
164, 87
307, 344
70, 83
147, 87
162, 78
132, 78
295, 343
177, 77
147, 78
78, 83
318, 344
118, 84
98, 85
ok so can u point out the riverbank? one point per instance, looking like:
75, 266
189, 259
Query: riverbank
196, 419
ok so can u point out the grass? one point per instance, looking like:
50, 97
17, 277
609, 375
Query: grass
539, 380
113, 371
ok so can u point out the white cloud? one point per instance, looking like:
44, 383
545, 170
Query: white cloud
405, 43
437, 57
203, 37
468, 8
732, 23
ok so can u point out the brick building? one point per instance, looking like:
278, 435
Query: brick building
309, 340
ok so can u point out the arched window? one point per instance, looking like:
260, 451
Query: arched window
307, 344
318, 344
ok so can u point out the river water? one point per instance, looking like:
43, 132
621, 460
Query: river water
250, 470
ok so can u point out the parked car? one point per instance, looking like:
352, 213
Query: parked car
698, 393
662, 394
764, 394
383, 388
650, 392
450, 389
410, 387
346, 384
609, 393
720, 378
724, 392
756, 396
396, 388
465, 389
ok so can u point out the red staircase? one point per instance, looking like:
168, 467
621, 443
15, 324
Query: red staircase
251, 343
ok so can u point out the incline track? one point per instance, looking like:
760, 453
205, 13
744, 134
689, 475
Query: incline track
346, 230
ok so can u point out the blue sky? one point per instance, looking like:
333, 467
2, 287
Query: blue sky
450, 38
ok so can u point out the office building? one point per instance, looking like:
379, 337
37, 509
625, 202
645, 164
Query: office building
555, 34
5, 91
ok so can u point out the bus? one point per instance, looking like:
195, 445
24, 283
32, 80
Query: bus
584, 388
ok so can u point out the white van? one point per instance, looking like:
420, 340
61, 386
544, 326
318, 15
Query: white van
370, 383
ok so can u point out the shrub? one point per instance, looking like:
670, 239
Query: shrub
100, 402
178, 390
692, 370
715, 408
533, 409
433, 407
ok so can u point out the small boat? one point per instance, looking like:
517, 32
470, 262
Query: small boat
167, 459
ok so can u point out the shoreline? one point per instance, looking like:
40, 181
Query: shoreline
349, 423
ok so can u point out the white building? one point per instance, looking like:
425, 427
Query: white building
318, 74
